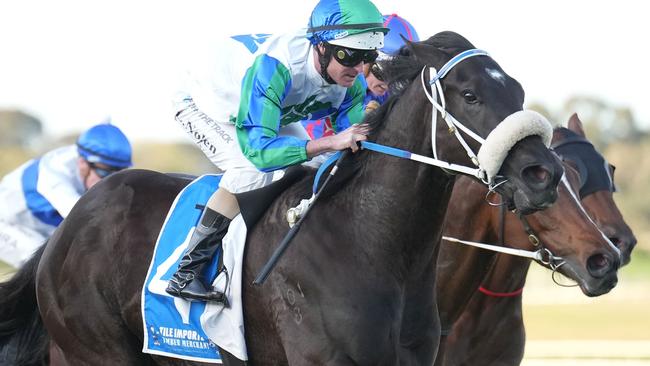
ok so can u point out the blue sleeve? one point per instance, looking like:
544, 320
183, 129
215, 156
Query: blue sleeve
265, 86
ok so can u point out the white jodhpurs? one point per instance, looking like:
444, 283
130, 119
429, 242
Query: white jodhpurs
218, 141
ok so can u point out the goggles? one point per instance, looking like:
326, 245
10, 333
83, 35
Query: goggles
103, 172
350, 57
377, 71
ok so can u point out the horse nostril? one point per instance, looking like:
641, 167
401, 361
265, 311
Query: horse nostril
623, 243
537, 174
617, 242
599, 265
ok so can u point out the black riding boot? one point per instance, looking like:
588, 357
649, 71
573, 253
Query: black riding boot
188, 281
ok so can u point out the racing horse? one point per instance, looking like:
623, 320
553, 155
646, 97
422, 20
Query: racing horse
357, 286
482, 313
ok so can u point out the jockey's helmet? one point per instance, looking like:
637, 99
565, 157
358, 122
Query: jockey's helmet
106, 144
353, 24
399, 27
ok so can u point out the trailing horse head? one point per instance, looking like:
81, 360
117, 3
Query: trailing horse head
573, 243
478, 120
596, 185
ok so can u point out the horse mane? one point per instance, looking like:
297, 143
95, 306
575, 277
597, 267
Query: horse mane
403, 68
23, 339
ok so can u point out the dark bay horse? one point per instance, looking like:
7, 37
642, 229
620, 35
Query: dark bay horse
489, 329
357, 285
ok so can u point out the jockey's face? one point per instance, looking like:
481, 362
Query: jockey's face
376, 85
92, 173
342, 75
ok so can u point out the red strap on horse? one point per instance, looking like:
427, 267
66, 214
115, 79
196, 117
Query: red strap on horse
500, 294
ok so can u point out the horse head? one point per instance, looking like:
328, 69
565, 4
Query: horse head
596, 184
573, 243
480, 106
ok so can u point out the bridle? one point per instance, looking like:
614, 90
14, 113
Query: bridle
494, 147
543, 255
547, 258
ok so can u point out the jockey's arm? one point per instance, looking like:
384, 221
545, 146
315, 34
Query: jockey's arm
265, 86
57, 190
346, 123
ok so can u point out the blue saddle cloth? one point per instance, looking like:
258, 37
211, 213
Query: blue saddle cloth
172, 326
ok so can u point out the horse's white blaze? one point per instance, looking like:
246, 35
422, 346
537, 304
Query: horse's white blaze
497, 75
575, 197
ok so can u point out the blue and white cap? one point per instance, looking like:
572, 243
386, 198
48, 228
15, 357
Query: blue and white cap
106, 144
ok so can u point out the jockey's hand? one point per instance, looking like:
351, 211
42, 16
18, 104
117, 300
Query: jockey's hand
347, 139
350, 137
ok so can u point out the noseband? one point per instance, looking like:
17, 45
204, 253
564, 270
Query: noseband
546, 257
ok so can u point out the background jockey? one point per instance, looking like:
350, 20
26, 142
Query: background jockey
39, 194
372, 80
242, 111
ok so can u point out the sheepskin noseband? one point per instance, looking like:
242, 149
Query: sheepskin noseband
511, 130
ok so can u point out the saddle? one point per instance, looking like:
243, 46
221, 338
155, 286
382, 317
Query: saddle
253, 204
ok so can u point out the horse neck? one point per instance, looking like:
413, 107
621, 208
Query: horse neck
461, 268
404, 196
507, 275
469, 217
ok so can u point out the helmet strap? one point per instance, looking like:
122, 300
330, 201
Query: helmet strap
324, 61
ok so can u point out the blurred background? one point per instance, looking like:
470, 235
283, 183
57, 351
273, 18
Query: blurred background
67, 65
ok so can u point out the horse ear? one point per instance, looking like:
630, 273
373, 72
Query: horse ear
557, 135
421, 51
575, 125
407, 49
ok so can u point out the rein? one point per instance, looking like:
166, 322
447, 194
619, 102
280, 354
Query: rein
541, 255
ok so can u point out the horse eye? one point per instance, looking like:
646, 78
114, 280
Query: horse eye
469, 96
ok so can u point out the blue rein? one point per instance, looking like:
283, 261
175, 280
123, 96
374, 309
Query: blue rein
399, 153
364, 145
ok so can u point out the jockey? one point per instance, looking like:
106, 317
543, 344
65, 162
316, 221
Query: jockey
373, 79
38, 195
377, 89
242, 112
